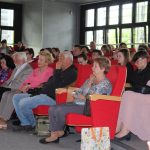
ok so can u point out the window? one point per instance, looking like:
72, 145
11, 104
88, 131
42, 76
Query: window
99, 37
127, 13
113, 15
90, 18
7, 17
9, 35
89, 37
112, 36
101, 16
126, 35
139, 35
141, 11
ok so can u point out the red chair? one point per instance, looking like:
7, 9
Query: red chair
104, 108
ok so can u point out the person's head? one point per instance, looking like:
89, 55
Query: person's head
19, 58
105, 48
82, 59
142, 47
96, 54
140, 59
4, 43
30, 53
85, 49
66, 58
123, 56
77, 50
45, 58
122, 45
55, 52
20, 44
101, 66
92, 45
7, 62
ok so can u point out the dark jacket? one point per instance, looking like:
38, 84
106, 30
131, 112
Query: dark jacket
60, 79
141, 77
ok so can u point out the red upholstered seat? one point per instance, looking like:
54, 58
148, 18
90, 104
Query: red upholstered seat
104, 109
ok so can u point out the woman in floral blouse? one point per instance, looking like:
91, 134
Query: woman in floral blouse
7, 65
96, 84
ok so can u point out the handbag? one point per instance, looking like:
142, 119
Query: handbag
95, 138
87, 108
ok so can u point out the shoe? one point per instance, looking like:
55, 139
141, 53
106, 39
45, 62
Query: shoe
26, 128
16, 123
126, 137
43, 141
66, 133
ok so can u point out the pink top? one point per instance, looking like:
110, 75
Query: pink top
37, 77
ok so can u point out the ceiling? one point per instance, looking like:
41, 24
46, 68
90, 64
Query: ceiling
70, 1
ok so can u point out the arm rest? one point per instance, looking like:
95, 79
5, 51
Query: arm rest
61, 90
96, 97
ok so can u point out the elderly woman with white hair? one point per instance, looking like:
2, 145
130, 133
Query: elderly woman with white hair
10, 87
64, 75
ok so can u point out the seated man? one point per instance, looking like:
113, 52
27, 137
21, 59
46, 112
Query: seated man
64, 75
20, 73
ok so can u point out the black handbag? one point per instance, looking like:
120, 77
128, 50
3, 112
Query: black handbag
87, 108
35, 91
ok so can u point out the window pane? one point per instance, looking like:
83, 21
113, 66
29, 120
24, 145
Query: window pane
7, 17
126, 36
111, 36
127, 13
101, 16
147, 34
141, 11
99, 37
8, 35
88, 37
139, 35
113, 15
90, 18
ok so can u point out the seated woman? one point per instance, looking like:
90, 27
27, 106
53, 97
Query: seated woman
7, 65
134, 109
38, 76
124, 60
97, 83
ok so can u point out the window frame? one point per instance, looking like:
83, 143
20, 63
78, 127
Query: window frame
17, 22
120, 25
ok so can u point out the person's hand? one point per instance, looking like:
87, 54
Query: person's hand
91, 80
25, 88
59, 65
80, 96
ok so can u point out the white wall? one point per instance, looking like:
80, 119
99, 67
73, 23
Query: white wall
50, 24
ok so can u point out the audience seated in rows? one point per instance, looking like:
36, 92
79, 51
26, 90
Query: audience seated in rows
134, 110
97, 83
6, 67
19, 47
64, 75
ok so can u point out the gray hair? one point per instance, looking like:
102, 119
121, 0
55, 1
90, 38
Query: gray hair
22, 55
67, 54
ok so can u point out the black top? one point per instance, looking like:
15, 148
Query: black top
60, 79
141, 77
129, 72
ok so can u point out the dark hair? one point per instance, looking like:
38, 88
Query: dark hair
85, 47
122, 43
4, 41
106, 48
30, 51
125, 53
143, 46
83, 56
9, 61
78, 46
98, 51
140, 54
103, 63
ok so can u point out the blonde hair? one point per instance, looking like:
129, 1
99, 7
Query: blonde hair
48, 56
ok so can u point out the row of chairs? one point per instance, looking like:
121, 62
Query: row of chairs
104, 109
